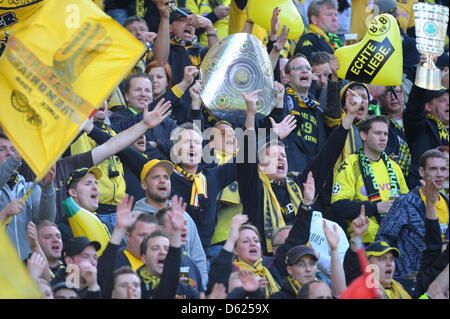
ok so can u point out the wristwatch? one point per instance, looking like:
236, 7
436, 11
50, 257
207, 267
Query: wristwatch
306, 207
213, 33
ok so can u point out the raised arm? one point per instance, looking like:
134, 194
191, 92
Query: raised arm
161, 48
129, 136
337, 270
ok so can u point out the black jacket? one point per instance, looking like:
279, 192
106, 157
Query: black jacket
421, 132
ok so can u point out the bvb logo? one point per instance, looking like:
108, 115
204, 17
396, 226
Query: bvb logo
20, 103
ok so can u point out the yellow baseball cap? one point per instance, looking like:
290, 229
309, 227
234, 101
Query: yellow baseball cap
155, 162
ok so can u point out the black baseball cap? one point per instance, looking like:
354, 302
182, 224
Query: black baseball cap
79, 173
176, 14
379, 248
432, 94
77, 244
295, 253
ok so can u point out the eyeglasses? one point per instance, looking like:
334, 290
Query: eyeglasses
302, 67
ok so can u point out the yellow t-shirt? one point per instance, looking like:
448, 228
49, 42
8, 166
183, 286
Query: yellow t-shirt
348, 184
237, 23
441, 212
405, 13
134, 261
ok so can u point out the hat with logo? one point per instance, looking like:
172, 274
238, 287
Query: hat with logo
379, 248
79, 173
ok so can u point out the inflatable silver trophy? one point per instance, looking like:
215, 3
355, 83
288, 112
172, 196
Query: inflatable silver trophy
431, 27
237, 64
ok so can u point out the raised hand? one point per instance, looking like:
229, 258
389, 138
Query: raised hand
309, 190
331, 235
285, 127
250, 282
36, 265
334, 66
32, 236
89, 125
124, 218
352, 102
252, 101
233, 234
190, 72
175, 217
430, 191
279, 90
361, 223
160, 112
195, 92
89, 273
274, 23
221, 11
48, 179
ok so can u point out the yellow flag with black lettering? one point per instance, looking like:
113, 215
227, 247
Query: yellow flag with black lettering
57, 68
15, 281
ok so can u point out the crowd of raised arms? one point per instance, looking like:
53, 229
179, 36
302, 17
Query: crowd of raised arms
228, 215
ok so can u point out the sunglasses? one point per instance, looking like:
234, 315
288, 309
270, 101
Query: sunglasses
302, 67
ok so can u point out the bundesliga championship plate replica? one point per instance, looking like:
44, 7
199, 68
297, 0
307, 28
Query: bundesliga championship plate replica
237, 64
431, 27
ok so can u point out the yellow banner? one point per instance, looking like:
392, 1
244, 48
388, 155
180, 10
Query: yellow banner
15, 281
57, 68
12, 13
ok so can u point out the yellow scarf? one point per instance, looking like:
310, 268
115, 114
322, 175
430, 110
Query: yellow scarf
260, 271
198, 186
396, 291
273, 218
295, 285
442, 130
135, 262
148, 278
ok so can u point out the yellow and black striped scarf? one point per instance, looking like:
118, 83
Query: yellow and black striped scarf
295, 285
230, 193
151, 281
272, 210
199, 185
260, 271
442, 130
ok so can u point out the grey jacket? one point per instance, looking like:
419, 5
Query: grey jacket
193, 247
39, 206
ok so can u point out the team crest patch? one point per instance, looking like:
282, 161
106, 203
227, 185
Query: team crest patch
336, 188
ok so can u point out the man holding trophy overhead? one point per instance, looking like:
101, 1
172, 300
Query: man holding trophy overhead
426, 119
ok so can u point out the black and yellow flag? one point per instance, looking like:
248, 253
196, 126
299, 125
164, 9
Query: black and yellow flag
57, 68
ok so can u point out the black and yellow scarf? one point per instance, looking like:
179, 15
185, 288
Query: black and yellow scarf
295, 285
331, 38
151, 281
404, 154
273, 218
13, 179
260, 271
442, 130
199, 185
302, 101
369, 178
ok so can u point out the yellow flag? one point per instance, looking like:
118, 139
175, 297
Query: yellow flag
15, 281
57, 68
12, 13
